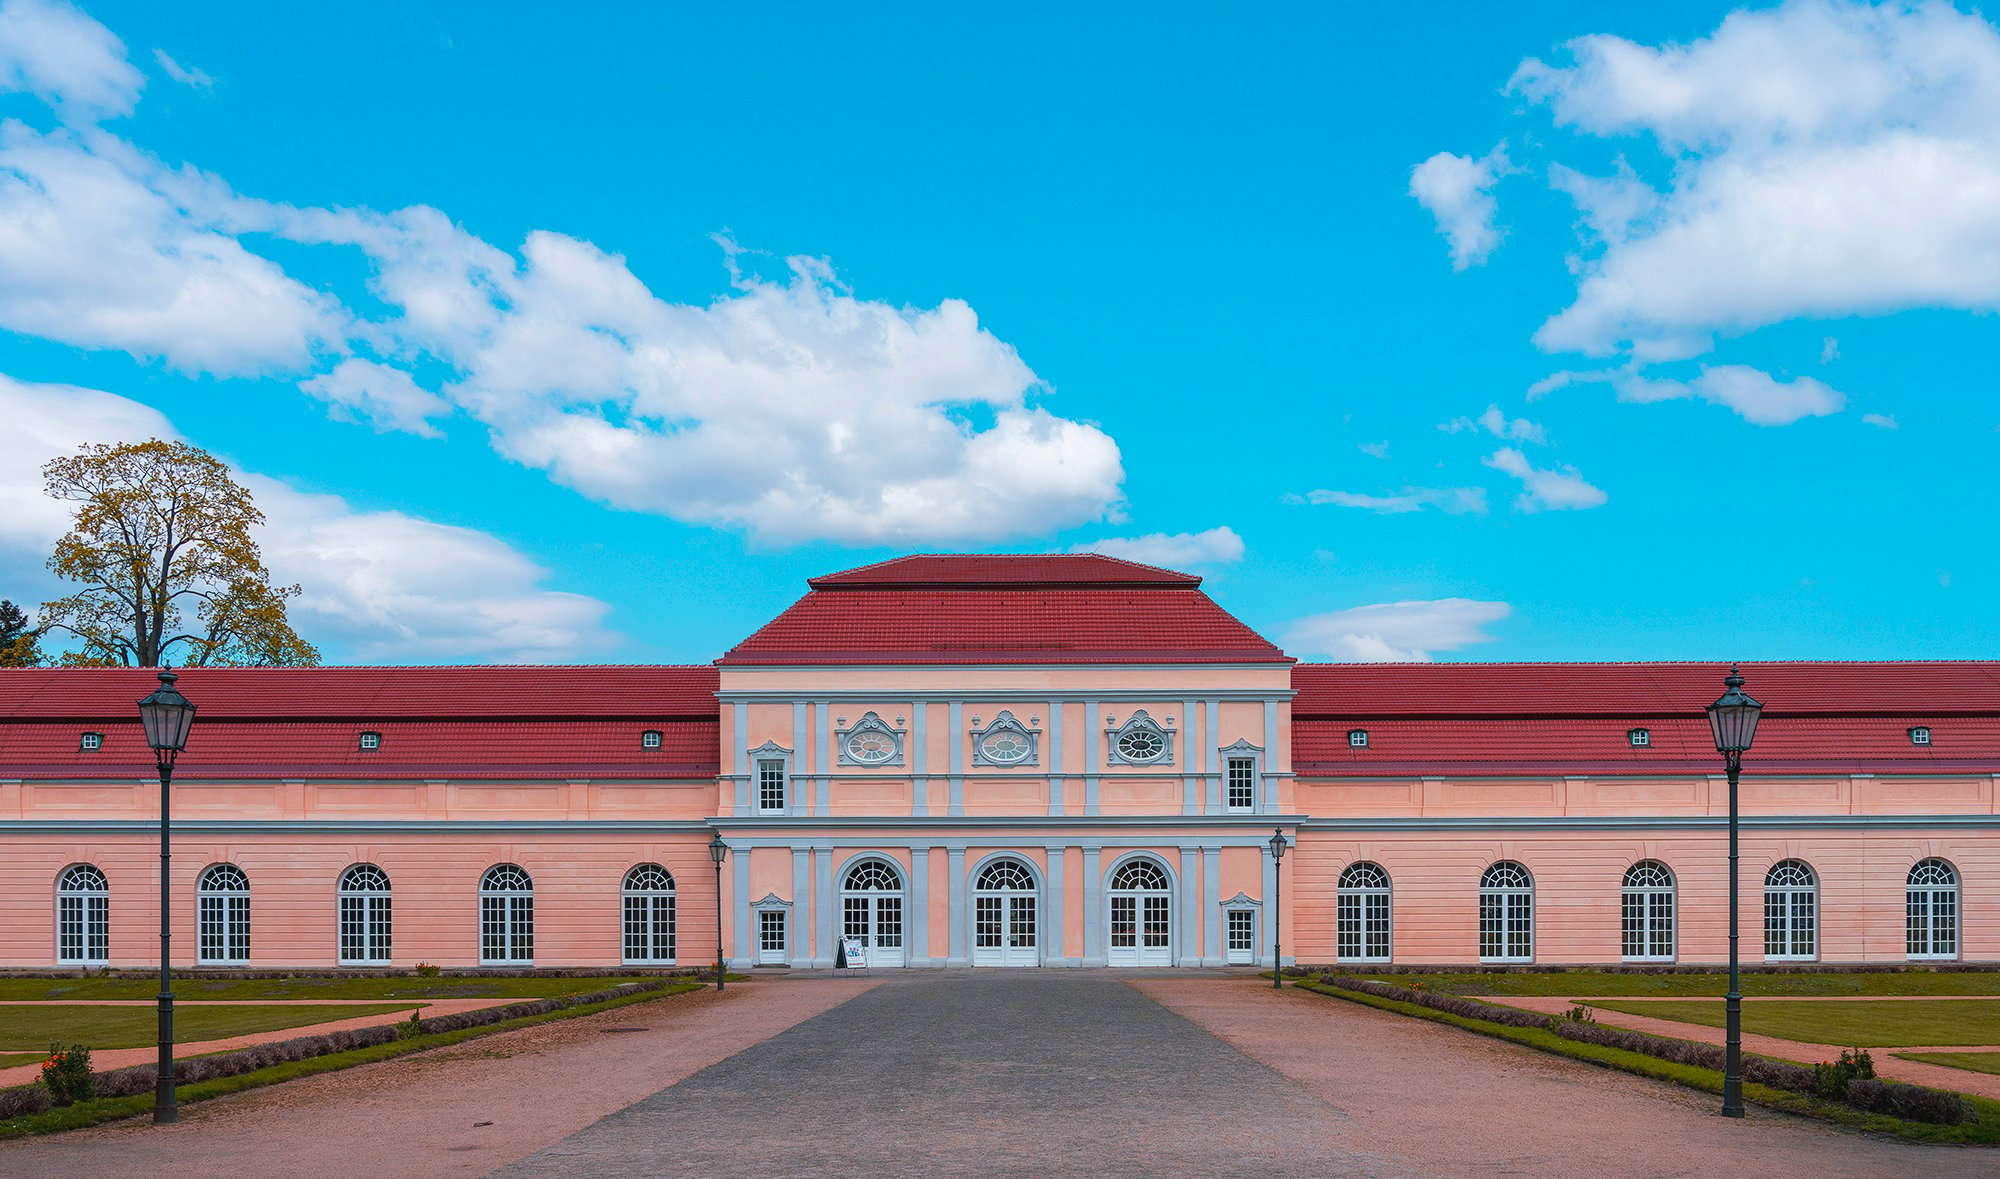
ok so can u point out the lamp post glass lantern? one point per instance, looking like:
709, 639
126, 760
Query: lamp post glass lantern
718, 851
1278, 845
1732, 720
166, 715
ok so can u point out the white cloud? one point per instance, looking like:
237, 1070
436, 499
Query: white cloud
387, 398
1378, 450
385, 585
1497, 424
103, 247
1458, 191
1395, 632
1829, 350
185, 75
1881, 421
1822, 158
792, 409
1755, 395
1174, 550
1552, 489
1453, 500
51, 50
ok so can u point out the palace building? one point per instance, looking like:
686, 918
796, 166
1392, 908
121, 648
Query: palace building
1002, 761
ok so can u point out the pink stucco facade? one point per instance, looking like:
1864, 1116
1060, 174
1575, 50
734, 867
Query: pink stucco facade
1001, 762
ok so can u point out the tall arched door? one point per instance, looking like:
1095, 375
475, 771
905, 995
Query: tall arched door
871, 909
1005, 901
1141, 915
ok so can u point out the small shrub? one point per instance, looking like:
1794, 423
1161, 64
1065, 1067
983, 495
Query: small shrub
428, 970
23, 1100
412, 1027
1579, 1014
66, 1074
1917, 1103
1831, 1080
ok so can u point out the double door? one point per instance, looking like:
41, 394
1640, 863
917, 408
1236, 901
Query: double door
1004, 929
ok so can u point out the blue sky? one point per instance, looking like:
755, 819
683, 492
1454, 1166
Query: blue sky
1263, 273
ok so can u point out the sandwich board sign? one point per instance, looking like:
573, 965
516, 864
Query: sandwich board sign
851, 952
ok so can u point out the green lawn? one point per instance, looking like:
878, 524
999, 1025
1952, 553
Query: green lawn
1863, 1025
16, 1059
1590, 983
1978, 1062
133, 1027
142, 987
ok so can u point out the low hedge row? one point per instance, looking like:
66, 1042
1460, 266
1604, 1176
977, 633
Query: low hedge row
139, 1078
1915, 1102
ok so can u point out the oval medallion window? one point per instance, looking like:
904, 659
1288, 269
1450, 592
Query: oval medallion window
1141, 744
871, 746
1006, 747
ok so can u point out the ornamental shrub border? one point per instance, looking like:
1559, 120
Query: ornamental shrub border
139, 1078
1913, 1102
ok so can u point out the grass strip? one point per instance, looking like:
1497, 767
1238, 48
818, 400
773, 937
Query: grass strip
1856, 1023
1983, 1132
92, 1113
99, 1027
195, 986
1974, 1062
1580, 984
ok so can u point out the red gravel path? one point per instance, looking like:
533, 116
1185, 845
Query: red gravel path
463, 1110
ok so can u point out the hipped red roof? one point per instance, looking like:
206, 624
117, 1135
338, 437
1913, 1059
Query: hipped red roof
1051, 608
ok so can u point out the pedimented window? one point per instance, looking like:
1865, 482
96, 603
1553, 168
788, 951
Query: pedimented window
1140, 741
871, 742
1006, 742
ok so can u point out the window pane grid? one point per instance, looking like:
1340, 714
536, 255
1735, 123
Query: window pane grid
364, 913
1506, 914
506, 916
1791, 912
648, 915
1242, 783
83, 917
771, 785
1362, 914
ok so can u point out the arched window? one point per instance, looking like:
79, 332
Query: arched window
364, 915
83, 917
649, 915
1141, 914
222, 916
1361, 931
1791, 912
506, 916
1506, 914
1004, 925
871, 909
1933, 910
1648, 905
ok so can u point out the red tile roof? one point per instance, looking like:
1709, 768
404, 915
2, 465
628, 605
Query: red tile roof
367, 693
1566, 718
1018, 625
1649, 689
973, 570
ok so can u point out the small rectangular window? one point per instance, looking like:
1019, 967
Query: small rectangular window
371, 740
1921, 735
771, 785
93, 741
1242, 783
650, 739
1640, 738
1242, 936
1357, 738
770, 935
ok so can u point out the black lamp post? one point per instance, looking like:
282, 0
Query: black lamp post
1733, 720
167, 716
718, 851
1278, 845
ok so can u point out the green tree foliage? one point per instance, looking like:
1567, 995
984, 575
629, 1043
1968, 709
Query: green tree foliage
18, 640
161, 548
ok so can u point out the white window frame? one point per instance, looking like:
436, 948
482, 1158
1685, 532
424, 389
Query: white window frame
364, 917
1357, 738
1920, 735
1639, 738
652, 740
90, 741
1357, 908
1645, 910
369, 741
1789, 895
870, 722
763, 953
222, 917
1498, 906
83, 916
504, 920
1933, 903
1006, 722
767, 754
646, 914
